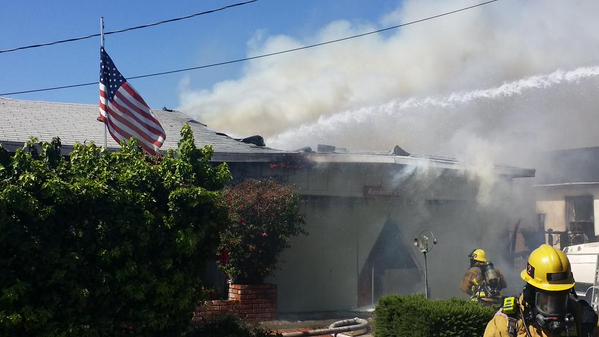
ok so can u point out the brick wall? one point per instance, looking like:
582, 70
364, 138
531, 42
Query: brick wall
256, 303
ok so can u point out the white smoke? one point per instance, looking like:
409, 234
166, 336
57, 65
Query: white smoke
498, 83
478, 126
374, 92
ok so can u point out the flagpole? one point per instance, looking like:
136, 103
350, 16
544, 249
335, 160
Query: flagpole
102, 45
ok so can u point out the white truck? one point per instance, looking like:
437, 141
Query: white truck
584, 259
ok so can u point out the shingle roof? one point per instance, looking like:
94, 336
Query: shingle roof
76, 123
411, 160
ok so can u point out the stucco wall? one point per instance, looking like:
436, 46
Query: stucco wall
551, 200
319, 272
555, 213
363, 217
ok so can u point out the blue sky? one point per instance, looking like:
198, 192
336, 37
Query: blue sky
356, 94
201, 40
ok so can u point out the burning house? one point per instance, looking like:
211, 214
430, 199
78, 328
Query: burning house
363, 210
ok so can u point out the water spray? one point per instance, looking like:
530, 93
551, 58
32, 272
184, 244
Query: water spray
408, 113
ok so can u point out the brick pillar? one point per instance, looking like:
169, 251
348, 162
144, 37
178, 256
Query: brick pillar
257, 302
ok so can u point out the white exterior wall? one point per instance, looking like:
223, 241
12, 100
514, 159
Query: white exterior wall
552, 202
321, 271
555, 213
596, 213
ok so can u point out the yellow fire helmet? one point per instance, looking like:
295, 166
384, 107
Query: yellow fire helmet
548, 269
479, 255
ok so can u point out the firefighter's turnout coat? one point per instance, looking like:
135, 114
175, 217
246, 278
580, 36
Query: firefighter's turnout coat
472, 283
508, 321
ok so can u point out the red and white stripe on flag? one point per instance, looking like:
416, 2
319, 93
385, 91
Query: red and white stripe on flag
125, 112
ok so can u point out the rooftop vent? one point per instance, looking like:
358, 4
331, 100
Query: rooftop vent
193, 121
398, 151
256, 140
323, 148
304, 149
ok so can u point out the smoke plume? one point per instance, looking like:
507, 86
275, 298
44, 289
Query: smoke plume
482, 84
496, 84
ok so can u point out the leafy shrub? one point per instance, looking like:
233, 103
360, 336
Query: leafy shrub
105, 244
229, 326
418, 317
264, 216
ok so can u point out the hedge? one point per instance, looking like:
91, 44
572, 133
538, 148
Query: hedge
415, 316
106, 243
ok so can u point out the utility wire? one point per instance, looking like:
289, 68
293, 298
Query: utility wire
79, 38
261, 55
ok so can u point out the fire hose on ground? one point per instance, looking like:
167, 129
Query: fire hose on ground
346, 325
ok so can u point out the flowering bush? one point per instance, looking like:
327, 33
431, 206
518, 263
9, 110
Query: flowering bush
264, 215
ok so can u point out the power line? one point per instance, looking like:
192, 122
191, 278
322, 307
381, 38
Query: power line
84, 37
259, 56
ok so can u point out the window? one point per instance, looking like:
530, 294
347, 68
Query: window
579, 219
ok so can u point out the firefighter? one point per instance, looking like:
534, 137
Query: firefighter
548, 306
482, 282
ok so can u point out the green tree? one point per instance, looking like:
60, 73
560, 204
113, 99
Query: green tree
106, 243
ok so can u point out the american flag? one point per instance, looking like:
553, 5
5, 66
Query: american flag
124, 112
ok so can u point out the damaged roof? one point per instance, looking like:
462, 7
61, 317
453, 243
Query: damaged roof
76, 123
413, 160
